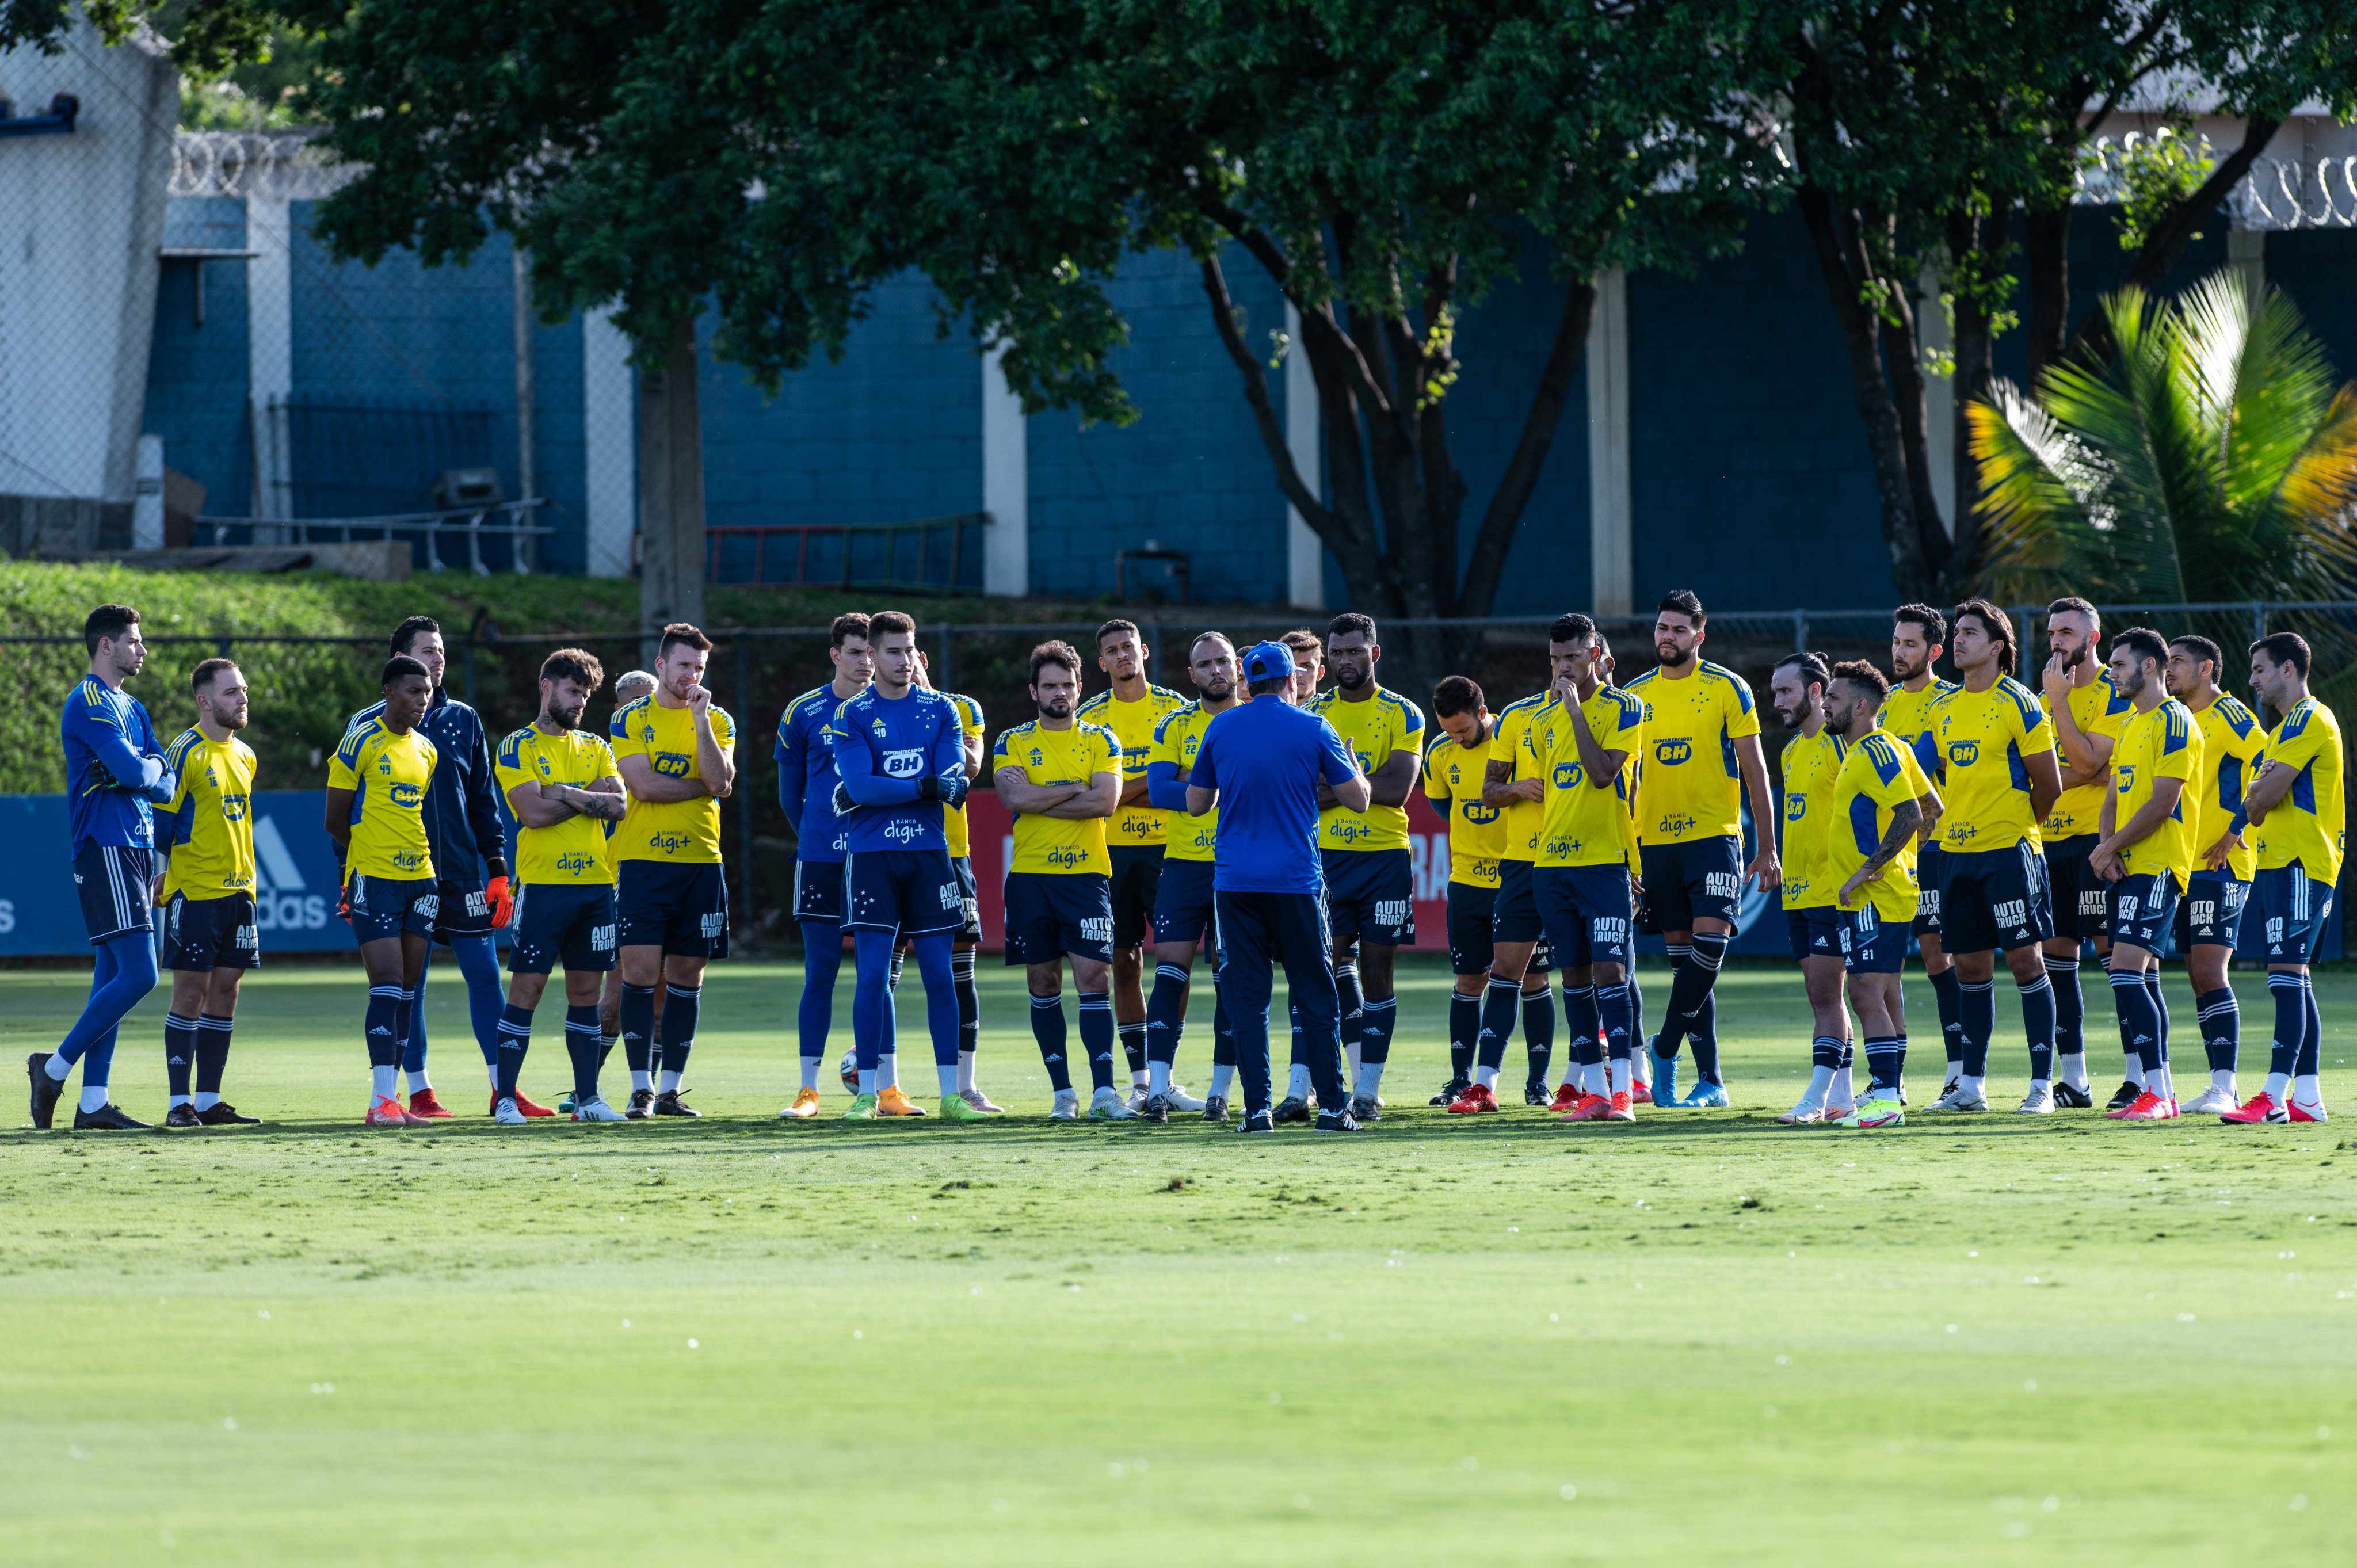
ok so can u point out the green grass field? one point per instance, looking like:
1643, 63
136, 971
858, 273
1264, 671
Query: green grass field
1705, 1338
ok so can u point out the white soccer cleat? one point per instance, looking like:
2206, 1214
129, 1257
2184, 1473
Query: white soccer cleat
980, 1101
2039, 1102
1066, 1107
507, 1114
595, 1110
1960, 1099
1138, 1095
1808, 1113
1177, 1099
2212, 1102
1109, 1106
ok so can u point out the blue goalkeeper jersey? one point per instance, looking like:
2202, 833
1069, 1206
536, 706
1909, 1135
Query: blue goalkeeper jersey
115, 773
882, 747
806, 777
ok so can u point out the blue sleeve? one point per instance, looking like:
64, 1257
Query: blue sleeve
789, 753
1205, 774
126, 766
1163, 787
856, 761
1334, 759
483, 801
949, 756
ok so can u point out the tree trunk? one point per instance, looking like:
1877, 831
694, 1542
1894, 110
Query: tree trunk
1515, 486
1902, 354
671, 492
1971, 241
2049, 286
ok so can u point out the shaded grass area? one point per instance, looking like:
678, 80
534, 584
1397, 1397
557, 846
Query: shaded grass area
1498, 1340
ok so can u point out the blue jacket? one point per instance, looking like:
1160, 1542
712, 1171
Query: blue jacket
462, 805
116, 772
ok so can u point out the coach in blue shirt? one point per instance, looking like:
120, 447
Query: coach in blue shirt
1261, 763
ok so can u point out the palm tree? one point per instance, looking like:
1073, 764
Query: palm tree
2213, 459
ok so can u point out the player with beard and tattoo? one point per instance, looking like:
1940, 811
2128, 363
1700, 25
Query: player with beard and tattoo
2087, 713
2210, 919
1813, 921
1918, 638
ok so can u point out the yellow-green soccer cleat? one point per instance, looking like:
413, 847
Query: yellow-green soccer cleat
863, 1109
955, 1107
1871, 1114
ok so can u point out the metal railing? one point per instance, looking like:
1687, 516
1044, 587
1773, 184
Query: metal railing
856, 551
423, 529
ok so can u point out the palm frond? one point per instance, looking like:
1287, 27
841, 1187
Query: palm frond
2041, 496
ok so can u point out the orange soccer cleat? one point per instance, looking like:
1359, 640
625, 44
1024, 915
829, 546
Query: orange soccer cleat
1620, 1108
426, 1107
1567, 1097
530, 1107
1591, 1108
891, 1102
1476, 1100
386, 1111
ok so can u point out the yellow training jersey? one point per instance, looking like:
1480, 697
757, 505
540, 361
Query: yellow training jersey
1876, 774
1374, 728
1984, 737
1587, 823
684, 833
574, 851
1911, 718
953, 824
1811, 763
1132, 723
2100, 709
2162, 743
1176, 740
1689, 787
212, 852
2309, 827
2231, 742
1073, 755
388, 775
1524, 818
1453, 776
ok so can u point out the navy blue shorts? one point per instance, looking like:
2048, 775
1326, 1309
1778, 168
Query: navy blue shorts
681, 907
1371, 894
818, 891
1927, 889
1183, 903
1815, 932
2142, 908
969, 899
1052, 913
463, 909
115, 882
2082, 901
2211, 913
1870, 944
1585, 908
1472, 925
1992, 899
1699, 879
559, 921
388, 906
2293, 908
1136, 870
202, 934
914, 892
1517, 917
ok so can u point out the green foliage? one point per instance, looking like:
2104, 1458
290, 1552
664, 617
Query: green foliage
2154, 174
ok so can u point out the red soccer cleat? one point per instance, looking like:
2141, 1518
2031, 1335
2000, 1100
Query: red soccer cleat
386, 1111
529, 1107
1640, 1094
1567, 1097
2149, 1107
2309, 1111
2260, 1107
1619, 1109
2120, 1113
1591, 1108
1475, 1099
426, 1107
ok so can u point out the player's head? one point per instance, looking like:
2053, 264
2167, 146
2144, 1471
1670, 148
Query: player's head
407, 689
2279, 670
1055, 678
848, 651
632, 684
1798, 687
568, 677
1308, 661
1270, 670
219, 688
681, 657
1854, 695
1979, 632
1678, 622
1462, 712
110, 632
1604, 656
1918, 635
2193, 668
1211, 665
892, 643
2137, 655
1352, 650
420, 637
1121, 649
1572, 649
2073, 630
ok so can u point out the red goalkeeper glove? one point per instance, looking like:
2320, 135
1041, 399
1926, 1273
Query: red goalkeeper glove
502, 903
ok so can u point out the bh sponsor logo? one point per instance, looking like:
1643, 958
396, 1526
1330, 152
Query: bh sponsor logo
1475, 811
1670, 753
1568, 775
1796, 806
1964, 753
905, 764
408, 797
673, 763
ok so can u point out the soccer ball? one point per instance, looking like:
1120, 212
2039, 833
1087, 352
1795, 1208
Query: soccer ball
848, 1070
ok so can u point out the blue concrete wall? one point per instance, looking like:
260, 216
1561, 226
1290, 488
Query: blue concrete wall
197, 375
2315, 267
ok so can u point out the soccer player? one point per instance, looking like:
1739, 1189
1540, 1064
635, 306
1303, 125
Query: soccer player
675, 750
206, 893
2087, 712
2296, 803
1456, 776
1264, 765
561, 782
470, 844
1641, 1062
968, 939
1701, 737
1881, 806
1514, 785
1183, 912
1061, 777
629, 687
900, 754
1997, 747
1917, 639
2144, 849
1813, 919
376, 814
1132, 706
806, 783
1370, 883
2210, 917
115, 776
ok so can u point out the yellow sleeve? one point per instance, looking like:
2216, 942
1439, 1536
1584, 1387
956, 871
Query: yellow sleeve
2181, 748
2296, 749
343, 772
507, 766
1109, 745
1743, 713
623, 735
603, 763
998, 757
2038, 737
724, 730
176, 759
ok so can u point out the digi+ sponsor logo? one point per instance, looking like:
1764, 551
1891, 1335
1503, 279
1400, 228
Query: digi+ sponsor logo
904, 832
1137, 828
1349, 830
1066, 858
668, 843
576, 864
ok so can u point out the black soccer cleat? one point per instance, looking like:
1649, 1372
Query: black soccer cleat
1215, 1108
1338, 1122
1365, 1107
108, 1117
670, 1104
1291, 1110
221, 1113
2071, 1097
1535, 1092
641, 1106
1157, 1110
1257, 1122
1456, 1086
2122, 1098
46, 1089
182, 1115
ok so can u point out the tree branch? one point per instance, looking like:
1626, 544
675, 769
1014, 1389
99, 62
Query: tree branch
1487, 567
1322, 523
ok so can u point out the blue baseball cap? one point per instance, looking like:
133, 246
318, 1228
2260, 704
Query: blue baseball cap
1267, 661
